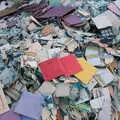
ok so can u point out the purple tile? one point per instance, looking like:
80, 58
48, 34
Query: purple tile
57, 11
10, 116
30, 105
72, 20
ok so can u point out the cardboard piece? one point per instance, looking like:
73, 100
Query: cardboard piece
104, 77
47, 89
91, 84
102, 100
88, 71
52, 53
97, 103
112, 17
62, 90
84, 96
32, 26
105, 113
102, 22
8, 11
30, 105
34, 47
92, 55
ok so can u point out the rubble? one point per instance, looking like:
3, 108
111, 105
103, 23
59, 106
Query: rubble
60, 60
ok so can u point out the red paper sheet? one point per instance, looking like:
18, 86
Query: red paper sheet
51, 69
70, 65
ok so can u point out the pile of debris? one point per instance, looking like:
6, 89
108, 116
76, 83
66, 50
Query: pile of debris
59, 60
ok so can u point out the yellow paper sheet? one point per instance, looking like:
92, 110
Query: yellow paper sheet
88, 71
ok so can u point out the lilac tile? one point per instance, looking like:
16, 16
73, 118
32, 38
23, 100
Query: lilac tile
10, 116
30, 105
72, 20
57, 11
